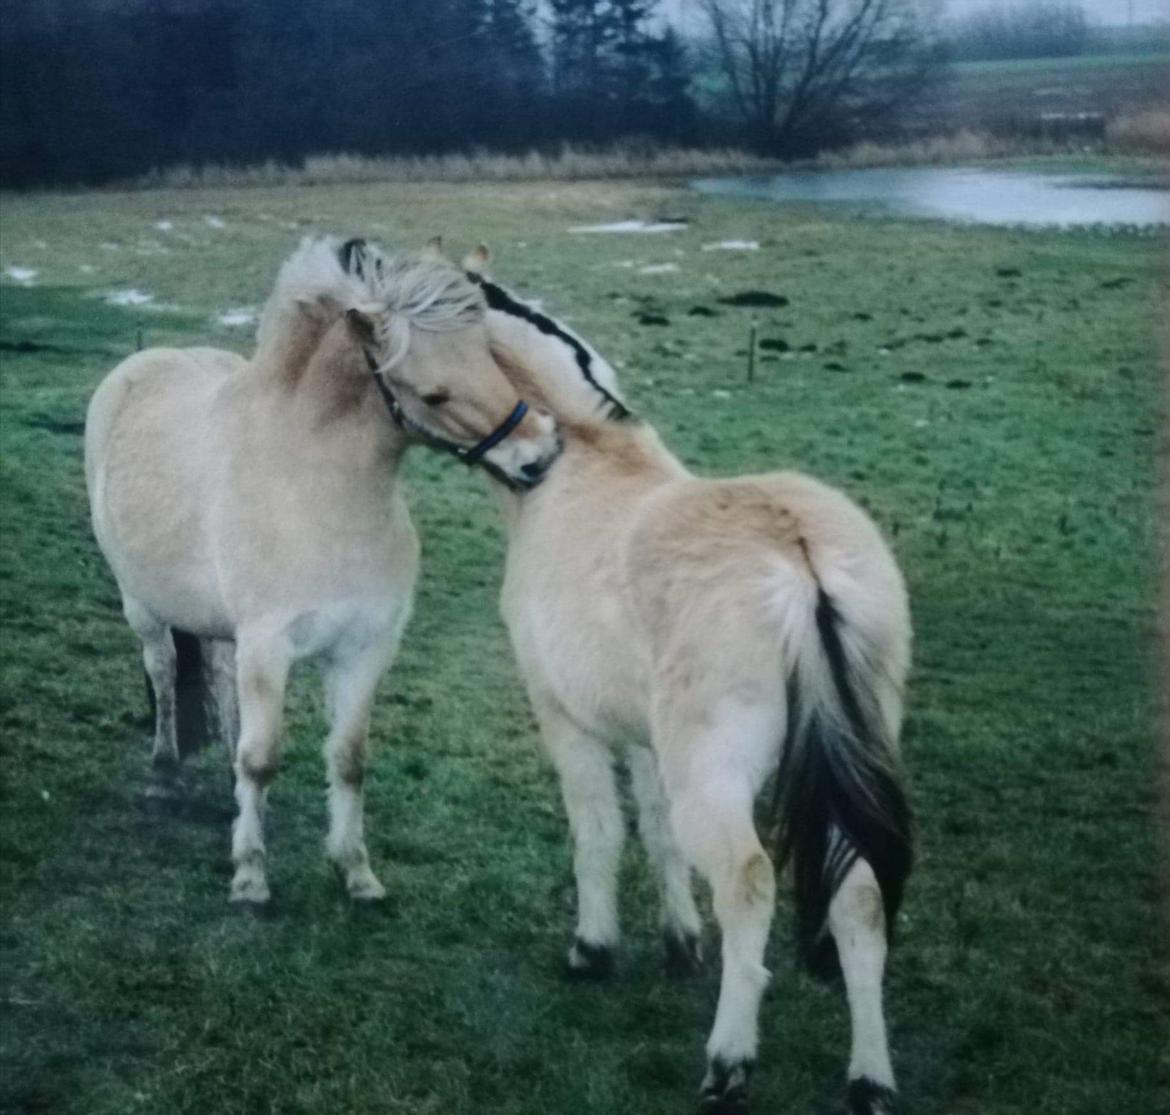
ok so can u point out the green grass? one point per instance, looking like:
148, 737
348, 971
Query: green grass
983, 94
1004, 438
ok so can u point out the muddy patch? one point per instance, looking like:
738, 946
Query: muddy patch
758, 299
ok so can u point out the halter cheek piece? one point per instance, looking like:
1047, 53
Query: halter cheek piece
470, 456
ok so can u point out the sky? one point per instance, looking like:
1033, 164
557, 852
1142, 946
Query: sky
1099, 11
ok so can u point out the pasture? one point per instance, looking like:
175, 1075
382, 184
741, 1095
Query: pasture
991, 396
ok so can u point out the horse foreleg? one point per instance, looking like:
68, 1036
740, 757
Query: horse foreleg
858, 923
350, 686
681, 926
262, 670
589, 789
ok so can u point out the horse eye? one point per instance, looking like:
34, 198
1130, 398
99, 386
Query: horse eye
436, 398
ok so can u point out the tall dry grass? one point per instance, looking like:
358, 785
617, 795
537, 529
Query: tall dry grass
943, 150
1141, 133
568, 163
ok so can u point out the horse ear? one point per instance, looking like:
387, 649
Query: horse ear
477, 260
361, 325
434, 246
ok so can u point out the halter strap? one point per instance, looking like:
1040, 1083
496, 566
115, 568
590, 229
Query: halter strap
497, 435
469, 456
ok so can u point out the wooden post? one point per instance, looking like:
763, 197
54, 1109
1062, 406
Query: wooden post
752, 353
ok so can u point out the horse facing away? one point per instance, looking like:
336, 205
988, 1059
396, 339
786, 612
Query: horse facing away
728, 630
255, 504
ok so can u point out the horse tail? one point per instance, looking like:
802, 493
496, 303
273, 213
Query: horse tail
840, 793
192, 696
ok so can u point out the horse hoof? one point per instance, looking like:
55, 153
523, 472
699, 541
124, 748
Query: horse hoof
250, 890
590, 962
868, 1097
365, 888
725, 1088
164, 776
165, 766
684, 954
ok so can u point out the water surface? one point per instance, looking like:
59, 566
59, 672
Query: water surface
999, 197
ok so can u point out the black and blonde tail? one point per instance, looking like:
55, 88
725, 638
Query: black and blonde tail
840, 792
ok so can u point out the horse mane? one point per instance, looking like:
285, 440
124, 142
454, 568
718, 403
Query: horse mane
325, 277
548, 360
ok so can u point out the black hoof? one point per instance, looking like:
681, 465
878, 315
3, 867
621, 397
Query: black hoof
164, 768
164, 784
725, 1088
590, 962
684, 954
868, 1097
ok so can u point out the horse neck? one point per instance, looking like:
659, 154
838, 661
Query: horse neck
287, 338
616, 461
330, 394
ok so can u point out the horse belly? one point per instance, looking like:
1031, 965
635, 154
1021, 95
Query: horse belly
591, 668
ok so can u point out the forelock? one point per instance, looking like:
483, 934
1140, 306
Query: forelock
425, 288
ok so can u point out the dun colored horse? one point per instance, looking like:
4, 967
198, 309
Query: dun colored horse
720, 633
255, 504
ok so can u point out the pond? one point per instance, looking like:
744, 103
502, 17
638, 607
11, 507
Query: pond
998, 197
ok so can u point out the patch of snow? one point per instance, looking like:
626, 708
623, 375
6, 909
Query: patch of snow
631, 226
720, 394
657, 268
129, 298
733, 246
238, 316
22, 275
164, 226
214, 222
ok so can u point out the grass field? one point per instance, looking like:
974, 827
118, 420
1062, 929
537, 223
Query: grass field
977, 94
990, 395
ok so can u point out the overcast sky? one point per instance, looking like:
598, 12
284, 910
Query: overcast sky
1099, 11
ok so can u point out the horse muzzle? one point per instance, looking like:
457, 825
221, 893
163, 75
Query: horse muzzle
524, 462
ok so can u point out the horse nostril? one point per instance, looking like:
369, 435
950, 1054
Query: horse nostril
535, 470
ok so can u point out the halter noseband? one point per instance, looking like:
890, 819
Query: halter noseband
469, 456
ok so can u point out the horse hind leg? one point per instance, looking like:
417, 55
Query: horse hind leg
712, 782
219, 657
681, 926
858, 923
159, 659
722, 839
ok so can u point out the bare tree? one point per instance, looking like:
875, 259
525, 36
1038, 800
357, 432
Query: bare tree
801, 73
